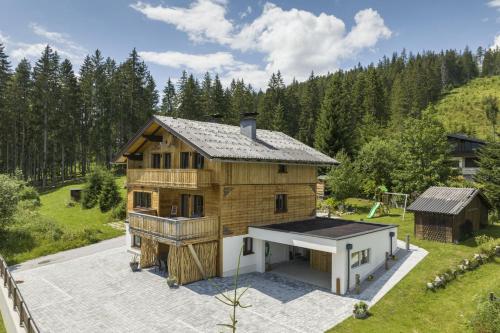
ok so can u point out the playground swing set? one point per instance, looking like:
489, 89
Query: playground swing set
384, 200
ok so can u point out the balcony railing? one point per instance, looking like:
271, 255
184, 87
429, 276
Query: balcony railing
177, 178
178, 230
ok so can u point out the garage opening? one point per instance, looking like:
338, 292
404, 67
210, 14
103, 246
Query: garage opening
302, 264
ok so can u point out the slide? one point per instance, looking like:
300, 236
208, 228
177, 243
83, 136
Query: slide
373, 210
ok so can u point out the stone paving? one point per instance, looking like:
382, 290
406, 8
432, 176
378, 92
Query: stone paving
98, 293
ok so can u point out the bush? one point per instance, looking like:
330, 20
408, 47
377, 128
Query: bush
109, 196
120, 211
92, 188
486, 319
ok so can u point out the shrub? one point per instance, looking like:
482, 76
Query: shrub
483, 239
486, 319
9, 197
109, 196
120, 211
92, 188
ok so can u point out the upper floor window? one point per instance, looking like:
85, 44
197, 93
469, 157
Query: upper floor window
155, 161
197, 205
167, 161
247, 246
282, 168
471, 162
281, 203
184, 164
142, 200
360, 258
198, 161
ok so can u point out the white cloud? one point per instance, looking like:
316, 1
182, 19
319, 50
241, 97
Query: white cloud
203, 20
293, 41
245, 13
494, 4
199, 63
4, 39
56, 37
496, 43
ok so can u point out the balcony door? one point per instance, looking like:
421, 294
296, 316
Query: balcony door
185, 205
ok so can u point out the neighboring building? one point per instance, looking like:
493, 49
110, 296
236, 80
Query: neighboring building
464, 153
449, 214
198, 191
321, 189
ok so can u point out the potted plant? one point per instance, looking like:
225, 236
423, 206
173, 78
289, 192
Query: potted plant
370, 277
134, 264
360, 310
172, 282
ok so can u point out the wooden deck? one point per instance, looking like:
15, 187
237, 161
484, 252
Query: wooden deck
175, 231
173, 178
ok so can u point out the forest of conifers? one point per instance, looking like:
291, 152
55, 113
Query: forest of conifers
56, 124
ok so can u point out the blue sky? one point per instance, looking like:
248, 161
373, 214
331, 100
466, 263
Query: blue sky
246, 39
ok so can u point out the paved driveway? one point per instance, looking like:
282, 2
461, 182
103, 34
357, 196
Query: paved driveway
98, 293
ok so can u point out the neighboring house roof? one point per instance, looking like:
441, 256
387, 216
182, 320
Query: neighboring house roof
445, 200
461, 136
225, 142
323, 177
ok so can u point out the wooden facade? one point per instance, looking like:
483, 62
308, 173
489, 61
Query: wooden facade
452, 228
235, 195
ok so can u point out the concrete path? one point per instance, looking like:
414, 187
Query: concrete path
60, 257
97, 292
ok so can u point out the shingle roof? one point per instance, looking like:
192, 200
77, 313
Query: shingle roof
445, 200
219, 141
464, 137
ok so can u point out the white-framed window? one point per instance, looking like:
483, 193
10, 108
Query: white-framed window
360, 258
247, 246
136, 241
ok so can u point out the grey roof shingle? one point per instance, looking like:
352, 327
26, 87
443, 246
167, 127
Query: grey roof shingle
219, 141
444, 200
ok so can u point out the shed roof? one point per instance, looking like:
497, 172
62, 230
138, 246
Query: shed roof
464, 137
445, 200
225, 142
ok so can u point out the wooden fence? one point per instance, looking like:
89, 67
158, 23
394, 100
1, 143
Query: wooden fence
186, 230
25, 318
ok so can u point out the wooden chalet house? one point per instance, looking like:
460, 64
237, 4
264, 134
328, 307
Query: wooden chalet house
198, 191
465, 153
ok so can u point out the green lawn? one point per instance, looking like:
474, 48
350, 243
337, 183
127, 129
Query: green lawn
408, 307
2, 328
57, 227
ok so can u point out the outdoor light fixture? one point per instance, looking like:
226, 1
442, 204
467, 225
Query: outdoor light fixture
348, 246
391, 235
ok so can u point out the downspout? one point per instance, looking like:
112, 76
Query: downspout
391, 235
348, 246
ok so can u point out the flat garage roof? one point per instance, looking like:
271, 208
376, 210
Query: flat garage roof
328, 227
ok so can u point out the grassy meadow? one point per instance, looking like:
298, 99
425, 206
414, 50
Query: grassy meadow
56, 226
408, 307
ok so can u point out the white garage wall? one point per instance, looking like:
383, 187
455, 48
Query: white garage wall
250, 263
378, 243
278, 253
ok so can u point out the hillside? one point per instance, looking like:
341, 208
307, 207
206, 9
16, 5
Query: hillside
461, 109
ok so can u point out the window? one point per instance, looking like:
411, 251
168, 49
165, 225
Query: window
197, 205
247, 246
198, 161
360, 258
281, 204
184, 160
155, 161
136, 241
142, 200
282, 168
185, 205
167, 161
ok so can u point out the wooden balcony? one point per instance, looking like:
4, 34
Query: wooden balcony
173, 178
176, 231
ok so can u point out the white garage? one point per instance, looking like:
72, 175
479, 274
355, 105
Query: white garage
322, 251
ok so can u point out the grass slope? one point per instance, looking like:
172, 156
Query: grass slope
462, 108
408, 307
57, 228
2, 327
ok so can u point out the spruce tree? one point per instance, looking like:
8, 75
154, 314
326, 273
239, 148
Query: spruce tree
279, 122
5, 141
168, 100
310, 108
488, 175
335, 127
109, 196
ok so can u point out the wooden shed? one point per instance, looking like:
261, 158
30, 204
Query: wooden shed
449, 214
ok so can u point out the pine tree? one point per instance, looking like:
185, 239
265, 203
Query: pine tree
4, 125
189, 99
241, 101
220, 100
310, 108
490, 104
275, 94
109, 196
168, 100
206, 96
335, 127
488, 175
279, 121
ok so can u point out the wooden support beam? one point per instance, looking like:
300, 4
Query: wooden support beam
153, 138
197, 261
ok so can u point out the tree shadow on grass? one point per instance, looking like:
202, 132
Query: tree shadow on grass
492, 230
